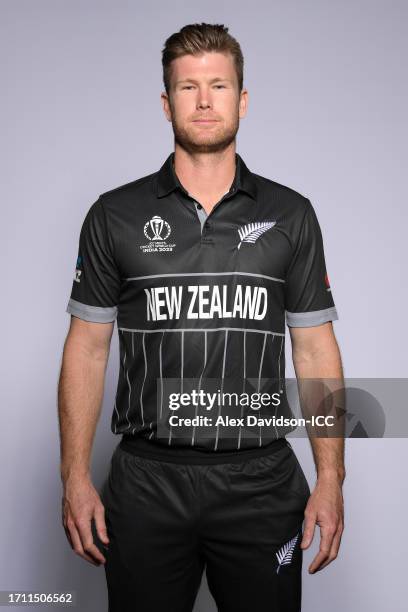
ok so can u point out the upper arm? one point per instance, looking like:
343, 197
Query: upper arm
96, 286
312, 340
308, 296
92, 338
309, 304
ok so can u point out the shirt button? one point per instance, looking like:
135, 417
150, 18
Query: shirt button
198, 206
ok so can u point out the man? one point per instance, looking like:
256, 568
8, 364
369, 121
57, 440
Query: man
201, 263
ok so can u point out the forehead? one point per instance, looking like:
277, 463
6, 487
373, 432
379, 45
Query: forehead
209, 65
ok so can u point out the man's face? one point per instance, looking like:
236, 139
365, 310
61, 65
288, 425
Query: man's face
204, 104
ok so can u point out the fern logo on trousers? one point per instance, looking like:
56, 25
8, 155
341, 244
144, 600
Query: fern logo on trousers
284, 554
252, 231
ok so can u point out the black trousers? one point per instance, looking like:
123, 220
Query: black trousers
241, 522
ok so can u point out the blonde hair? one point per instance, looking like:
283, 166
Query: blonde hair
198, 38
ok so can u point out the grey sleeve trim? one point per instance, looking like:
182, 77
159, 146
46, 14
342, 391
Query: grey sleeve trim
97, 314
309, 319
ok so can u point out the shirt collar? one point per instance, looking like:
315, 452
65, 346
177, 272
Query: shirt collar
167, 180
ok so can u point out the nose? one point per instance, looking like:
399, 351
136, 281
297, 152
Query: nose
203, 99
203, 104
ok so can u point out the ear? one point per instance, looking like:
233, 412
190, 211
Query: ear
243, 103
166, 105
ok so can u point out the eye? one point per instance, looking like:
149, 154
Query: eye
223, 86
187, 87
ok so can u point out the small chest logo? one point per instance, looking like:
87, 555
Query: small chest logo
157, 230
252, 231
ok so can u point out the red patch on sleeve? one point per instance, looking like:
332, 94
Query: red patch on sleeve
326, 280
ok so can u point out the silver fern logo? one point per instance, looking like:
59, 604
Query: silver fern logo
252, 231
284, 554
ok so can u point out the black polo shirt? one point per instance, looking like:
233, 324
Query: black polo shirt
200, 297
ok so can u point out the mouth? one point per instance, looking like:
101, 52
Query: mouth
205, 121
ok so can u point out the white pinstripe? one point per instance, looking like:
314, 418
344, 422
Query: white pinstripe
117, 421
259, 383
181, 376
161, 376
279, 380
199, 384
279, 362
222, 384
145, 374
128, 381
243, 391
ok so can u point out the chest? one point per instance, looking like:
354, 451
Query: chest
177, 237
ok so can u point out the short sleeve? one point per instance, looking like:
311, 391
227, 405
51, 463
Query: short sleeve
308, 296
96, 283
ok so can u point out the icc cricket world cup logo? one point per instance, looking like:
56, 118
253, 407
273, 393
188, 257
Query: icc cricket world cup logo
154, 229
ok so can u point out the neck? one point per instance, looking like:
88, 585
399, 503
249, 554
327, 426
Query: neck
206, 176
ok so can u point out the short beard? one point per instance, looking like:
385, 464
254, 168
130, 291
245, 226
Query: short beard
219, 144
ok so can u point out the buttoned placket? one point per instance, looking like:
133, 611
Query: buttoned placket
203, 216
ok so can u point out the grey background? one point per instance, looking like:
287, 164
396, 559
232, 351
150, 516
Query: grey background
81, 114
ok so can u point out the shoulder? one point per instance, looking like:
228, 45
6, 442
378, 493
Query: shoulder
290, 209
119, 204
128, 190
282, 198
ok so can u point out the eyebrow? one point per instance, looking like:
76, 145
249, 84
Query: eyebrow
194, 81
